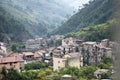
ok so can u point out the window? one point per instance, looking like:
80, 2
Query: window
10, 64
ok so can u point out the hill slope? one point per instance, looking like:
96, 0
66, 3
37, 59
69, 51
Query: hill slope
10, 29
38, 16
96, 32
96, 12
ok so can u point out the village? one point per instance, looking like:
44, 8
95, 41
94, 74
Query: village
59, 52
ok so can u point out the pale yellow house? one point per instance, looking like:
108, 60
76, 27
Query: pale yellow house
70, 59
58, 63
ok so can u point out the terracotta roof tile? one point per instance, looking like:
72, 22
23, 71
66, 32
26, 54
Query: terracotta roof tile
37, 55
28, 53
11, 59
15, 54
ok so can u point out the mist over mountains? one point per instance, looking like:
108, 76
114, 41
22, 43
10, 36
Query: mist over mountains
96, 12
93, 22
23, 19
37, 17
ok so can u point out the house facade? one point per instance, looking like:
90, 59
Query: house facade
58, 63
15, 62
70, 59
94, 52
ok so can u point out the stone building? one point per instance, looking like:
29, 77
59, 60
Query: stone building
15, 62
70, 59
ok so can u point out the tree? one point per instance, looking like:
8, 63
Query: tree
41, 74
35, 65
107, 60
4, 73
11, 74
85, 71
105, 76
14, 48
29, 75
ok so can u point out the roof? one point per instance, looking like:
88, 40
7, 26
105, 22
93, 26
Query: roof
103, 47
2, 54
37, 55
100, 46
1, 51
28, 53
89, 43
14, 54
11, 59
105, 40
51, 48
30, 40
73, 55
60, 48
57, 50
43, 51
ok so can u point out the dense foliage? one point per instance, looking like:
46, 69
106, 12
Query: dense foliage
95, 33
36, 19
106, 63
83, 72
11, 74
35, 65
16, 47
96, 12
11, 29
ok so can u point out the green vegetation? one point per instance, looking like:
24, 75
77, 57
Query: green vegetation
35, 65
83, 72
105, 76
15, 47
95, 13
40, 71
11, 74
18, 17
105, 64
95, 33
41, 74
11, 29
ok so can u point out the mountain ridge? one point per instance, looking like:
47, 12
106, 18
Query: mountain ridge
96, 12
37, 17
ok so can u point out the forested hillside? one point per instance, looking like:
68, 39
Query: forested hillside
35, 17
96, 12
96, 32
11, 29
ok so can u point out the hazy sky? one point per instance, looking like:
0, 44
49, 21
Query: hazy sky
77, 3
